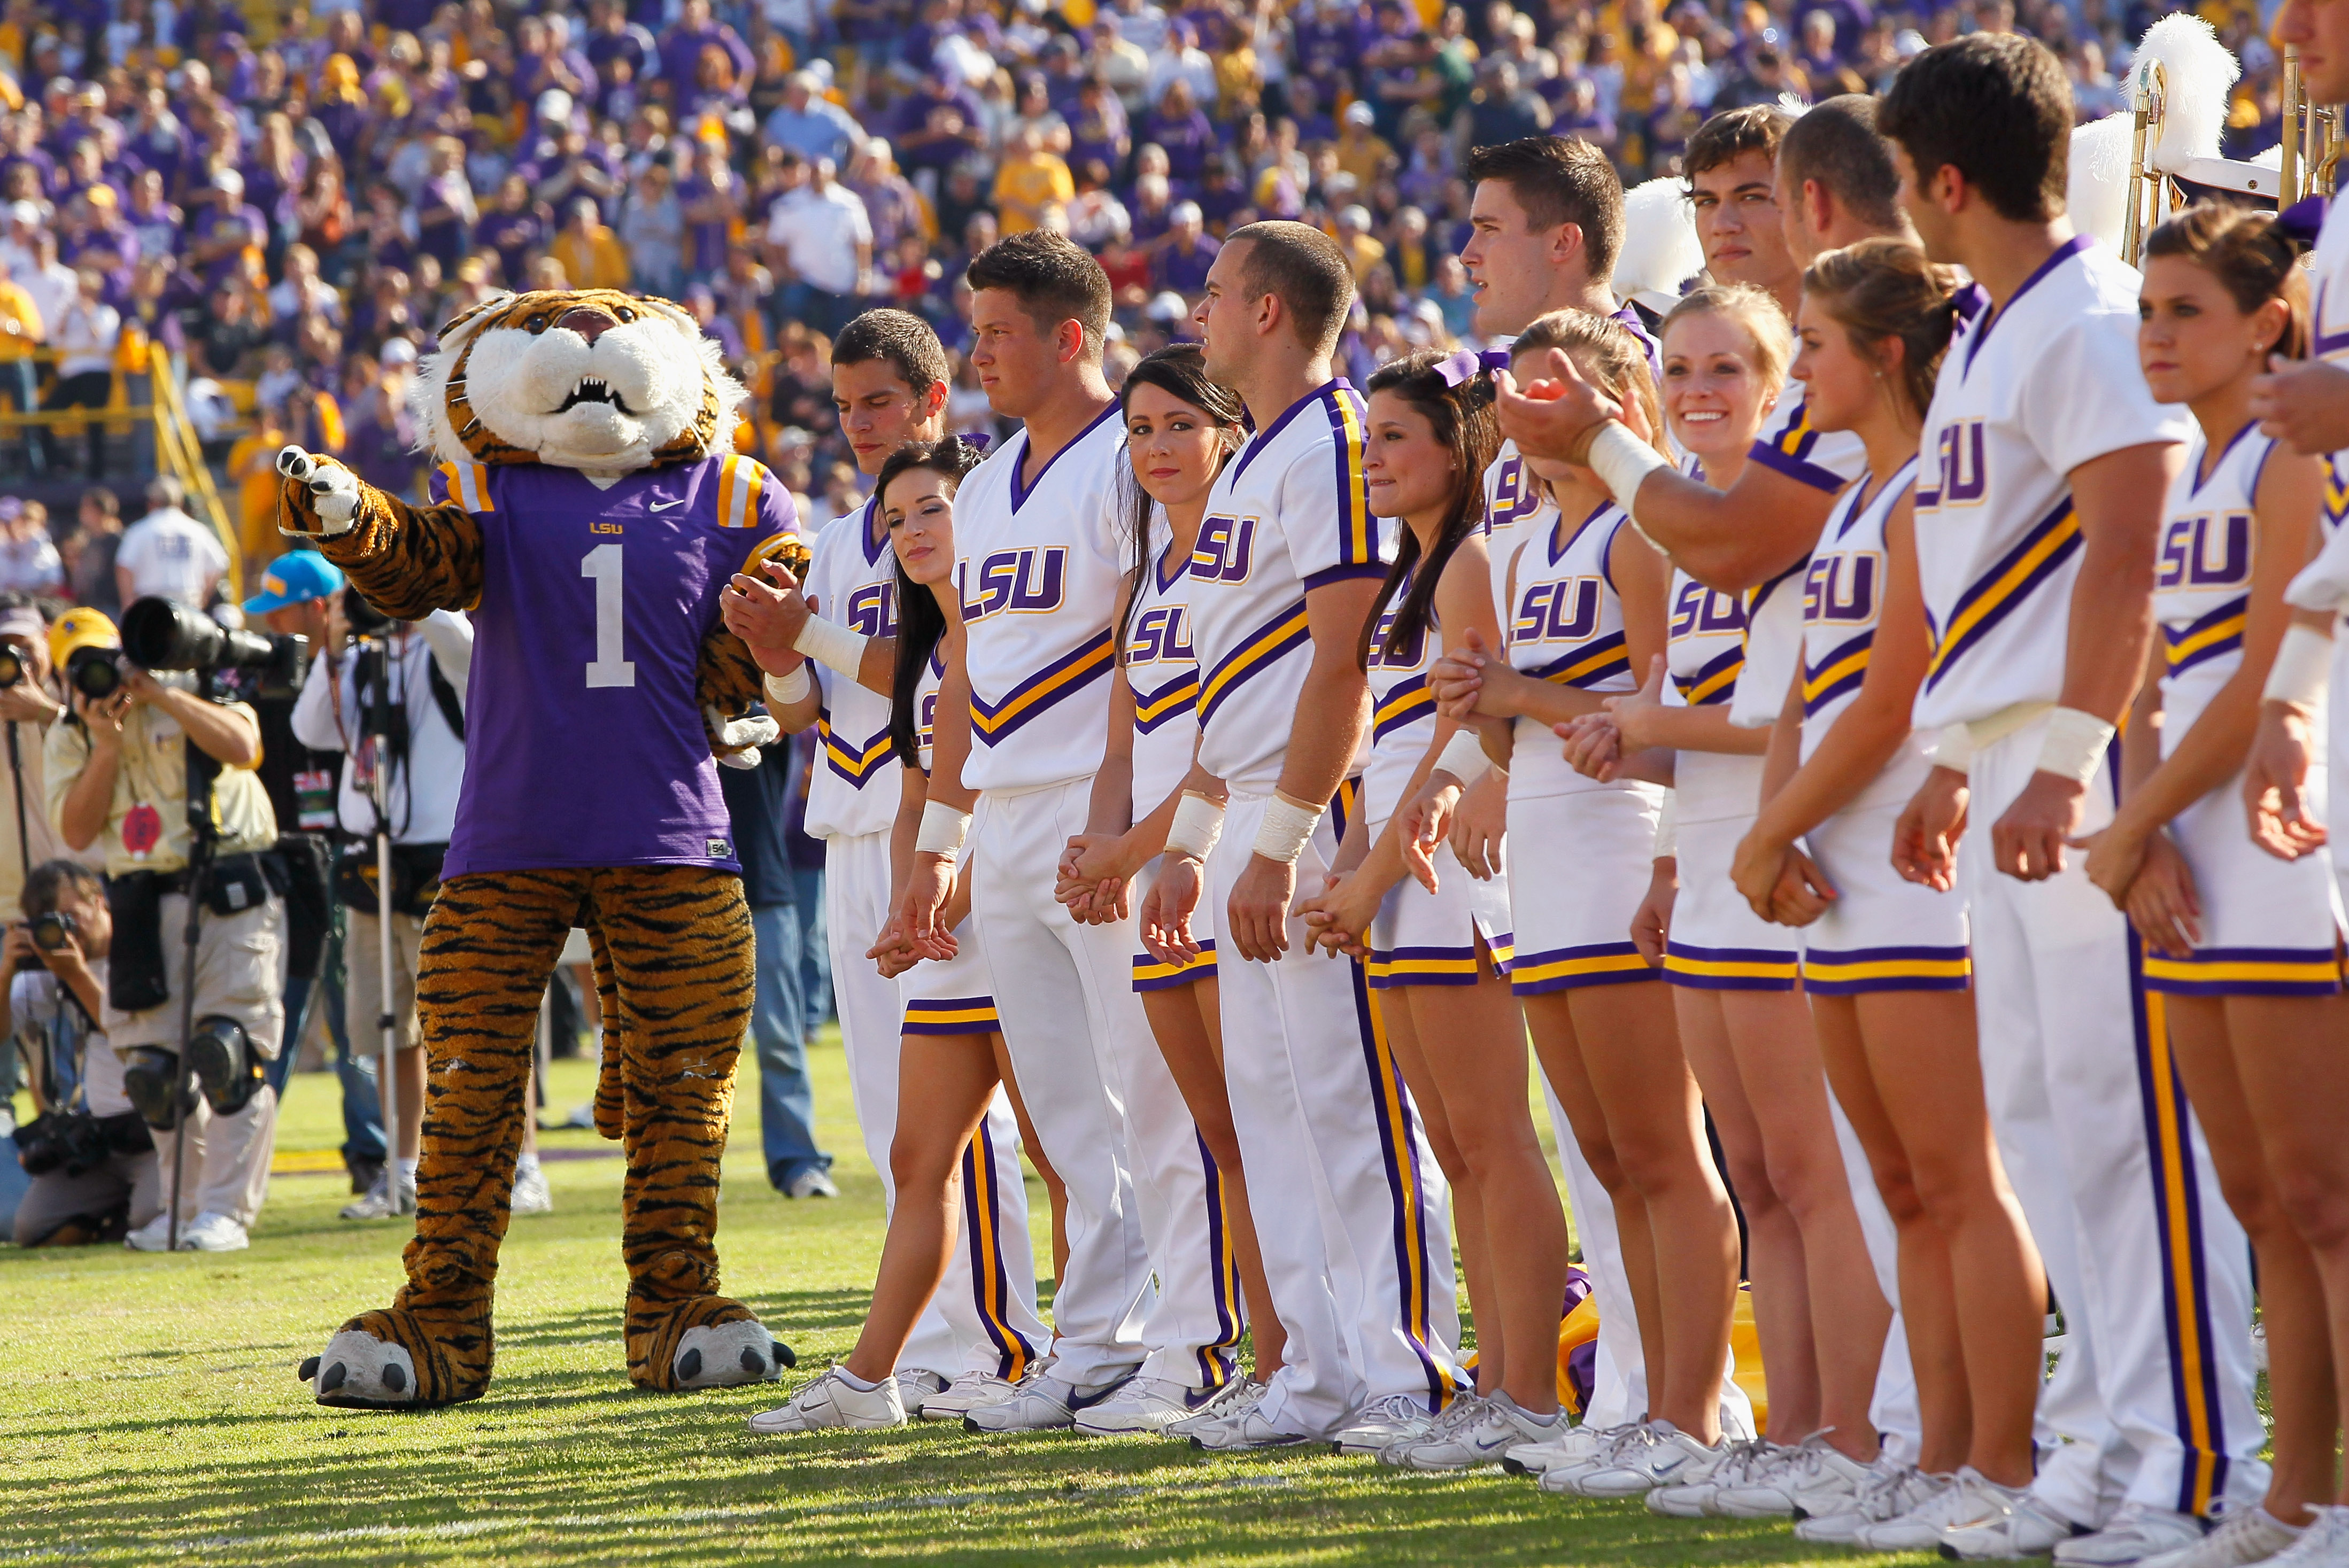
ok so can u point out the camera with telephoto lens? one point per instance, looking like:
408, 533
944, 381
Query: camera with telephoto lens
160, 633
69, 1142
96, 673
54, 931
12, 667
363, 618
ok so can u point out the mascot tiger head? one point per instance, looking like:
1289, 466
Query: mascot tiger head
592, 379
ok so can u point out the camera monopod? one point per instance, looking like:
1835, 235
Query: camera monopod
377, 720
202, 769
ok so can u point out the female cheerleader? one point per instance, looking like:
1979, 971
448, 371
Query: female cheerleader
1181, 428
1821, 1314
1886, 960
1437, 949
1585, 602
2242, 947
952, 1058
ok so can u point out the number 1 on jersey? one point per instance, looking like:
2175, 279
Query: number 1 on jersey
607, 668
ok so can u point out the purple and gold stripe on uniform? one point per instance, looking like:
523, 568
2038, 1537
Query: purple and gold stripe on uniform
1405, 966
2177, 1216
2212, 636
1564, 968
1588, 665
1716, 681
1790, 454
1840, 672
1406, 703
1849, 971
1730, 968
467, 484
982, 1208
2042, 552
2245, 972
1176, 698
1358, 531
1152, 973
1399, 1146
857, 764
951, 1015
1283, 633
741, 480
1219, 1359
1071, 673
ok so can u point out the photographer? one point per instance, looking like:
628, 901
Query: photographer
90, 1157
29, 706
388, 695
118, 775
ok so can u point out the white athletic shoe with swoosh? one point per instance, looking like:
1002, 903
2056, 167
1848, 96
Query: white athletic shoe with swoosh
1482, 1434
1244, 1396
967, 1393
2244, 1535
830, 1401
1562, 1450
1150, 1405
1384, 1423
1043, 1402
1649, 1457
2324, 1544
2135, 1533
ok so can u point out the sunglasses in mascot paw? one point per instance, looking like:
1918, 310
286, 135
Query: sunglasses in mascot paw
588, 509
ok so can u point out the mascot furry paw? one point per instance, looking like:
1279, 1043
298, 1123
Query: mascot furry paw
588, 508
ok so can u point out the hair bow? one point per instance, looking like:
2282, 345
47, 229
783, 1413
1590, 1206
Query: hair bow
976, 442
2300, 221
1466, 365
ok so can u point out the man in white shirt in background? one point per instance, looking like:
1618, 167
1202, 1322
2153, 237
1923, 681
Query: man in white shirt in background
821, 238
169, 552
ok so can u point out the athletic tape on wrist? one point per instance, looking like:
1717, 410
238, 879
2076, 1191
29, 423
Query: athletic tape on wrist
1955, 749
943, 828
1668, 821
1286, 828
1198, 823
1463, 757
2302, 671
832, 646
2075, 745
784, 690
1623, 461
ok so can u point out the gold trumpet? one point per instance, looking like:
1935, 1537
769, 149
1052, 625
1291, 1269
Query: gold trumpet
2312, 138
2306, 165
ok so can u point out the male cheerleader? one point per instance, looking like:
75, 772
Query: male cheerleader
2039, 495
1348, 1203
889, 377
1041, 564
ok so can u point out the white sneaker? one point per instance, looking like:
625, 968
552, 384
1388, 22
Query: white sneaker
2009, 1525
1740, 1464
830, 1401
811, 1183
1384, 1423
530, 1193
1246, 1396
1814, 1478
1649, 1457
1467, 1407
213, 1233
1495, 1425
1245, 1432
154, 1236
1560, 1451
2243, 1536
2135, 1533
967, 1393
2324, 1544
1963, 1498
1150, 1405
388, 1199
917, 1385
1890, 1492
1043, 1402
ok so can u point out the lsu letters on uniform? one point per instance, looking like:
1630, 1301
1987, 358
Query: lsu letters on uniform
1361, 1272
1161, 669
851, 804
1041, 566
2148, 1264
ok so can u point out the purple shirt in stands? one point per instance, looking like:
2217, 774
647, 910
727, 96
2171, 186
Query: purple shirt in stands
583, 744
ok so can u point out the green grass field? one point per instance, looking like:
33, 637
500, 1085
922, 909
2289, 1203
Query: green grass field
149, 1411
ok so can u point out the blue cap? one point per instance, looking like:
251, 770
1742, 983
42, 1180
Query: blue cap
295, 577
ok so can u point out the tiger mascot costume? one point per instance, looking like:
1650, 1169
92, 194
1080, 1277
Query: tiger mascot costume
590, 508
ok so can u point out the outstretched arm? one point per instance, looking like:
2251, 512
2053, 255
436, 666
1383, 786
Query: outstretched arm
407, 560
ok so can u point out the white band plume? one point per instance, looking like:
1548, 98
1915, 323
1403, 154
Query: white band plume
1198, 823
784, 690
832, 644
1463, 757
1955, 749
942, 831
2302, 671
1623, 462
1286, 828
2075, 745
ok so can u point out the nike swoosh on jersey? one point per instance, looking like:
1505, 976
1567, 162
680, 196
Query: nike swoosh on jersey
664, 505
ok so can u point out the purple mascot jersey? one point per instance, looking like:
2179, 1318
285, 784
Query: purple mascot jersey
583, 743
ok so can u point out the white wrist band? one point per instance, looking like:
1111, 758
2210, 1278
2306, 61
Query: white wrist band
1668, 824
2302, 671
1286, 828
832, 646
942, 831
784, 690
1955, 749
1198, 823
1463, 757
2075, 745
1623, 461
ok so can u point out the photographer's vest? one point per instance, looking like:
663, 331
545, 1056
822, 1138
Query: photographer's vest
147, 821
